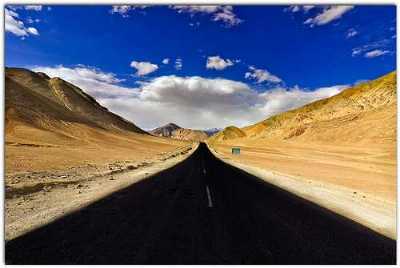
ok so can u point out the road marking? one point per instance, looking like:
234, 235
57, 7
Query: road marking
204, 170
210, 204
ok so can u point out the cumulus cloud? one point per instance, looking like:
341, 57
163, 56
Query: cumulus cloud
351, 32
261, 75
376, 53
123, 10
328, 14
218, 63
143, 67
15, 26
178, 64
193, 102
165, 61
225, 14
280, 99
202, 103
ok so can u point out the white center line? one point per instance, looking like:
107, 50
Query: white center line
204, 170
210, 204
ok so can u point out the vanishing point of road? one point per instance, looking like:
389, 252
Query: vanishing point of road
202, 211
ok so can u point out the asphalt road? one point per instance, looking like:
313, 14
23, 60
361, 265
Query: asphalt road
202, 211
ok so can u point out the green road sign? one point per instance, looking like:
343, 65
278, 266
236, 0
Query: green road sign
235, 150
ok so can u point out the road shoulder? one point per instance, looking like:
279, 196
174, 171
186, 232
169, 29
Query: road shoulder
27, 209
375, 214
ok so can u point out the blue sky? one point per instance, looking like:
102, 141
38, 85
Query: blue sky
273, 53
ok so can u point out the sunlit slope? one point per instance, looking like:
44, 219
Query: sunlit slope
37, 100
52, 124
228, 133
360, 114
174, 131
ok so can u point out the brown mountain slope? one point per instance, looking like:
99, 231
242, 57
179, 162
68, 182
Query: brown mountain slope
52, 124
339, 152
228, 133
174, 131
359, 114
189, 134
46, 102
165, 131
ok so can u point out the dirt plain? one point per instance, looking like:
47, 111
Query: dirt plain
339, 152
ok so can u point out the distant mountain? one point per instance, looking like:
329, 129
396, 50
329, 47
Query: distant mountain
51, 124
189, 134
174, 131
361, 114
212, 131
165, 131
228, 133
37, 100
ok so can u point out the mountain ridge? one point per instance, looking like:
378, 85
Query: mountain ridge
318, 120
41, 101
174, 131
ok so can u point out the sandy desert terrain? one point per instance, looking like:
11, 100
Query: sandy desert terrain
61, 143
345, 144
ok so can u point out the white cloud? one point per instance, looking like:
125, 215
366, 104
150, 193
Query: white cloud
165, 61
328, 14
227, 16
30, 20
296, 8
32, 30
95, 82
178, 64
378, 45
351, 32
197, 9
306, 8
261, 75
280, 99
33, 7
201, 103
217, 63
123, 10
192, 102
16, 26
143, 67
224, 14
194, 24
376, 53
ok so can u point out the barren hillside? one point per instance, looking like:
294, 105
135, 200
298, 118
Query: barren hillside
361, 114
339, 152
52, 124
174, 131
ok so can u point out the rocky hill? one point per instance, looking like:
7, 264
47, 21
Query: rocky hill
37, 100
53, 125
363, 113
174, 131
165, 131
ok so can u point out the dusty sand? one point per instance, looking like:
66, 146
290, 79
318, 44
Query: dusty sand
63, 150
31, 149
52, 194
357, 182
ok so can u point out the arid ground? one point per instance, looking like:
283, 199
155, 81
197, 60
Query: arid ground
345, 145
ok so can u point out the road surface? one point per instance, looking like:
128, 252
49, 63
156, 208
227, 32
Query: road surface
202, 211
